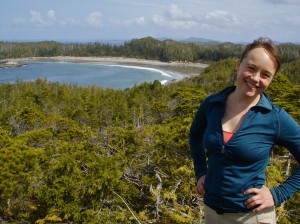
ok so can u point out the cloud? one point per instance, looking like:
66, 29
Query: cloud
175, 18
176, 13
51, 14
19, 21
221, 19
69, 22
141, 21
37, 19
159, 20
94, 19
172, 18
294, 21
174, 24
290, 2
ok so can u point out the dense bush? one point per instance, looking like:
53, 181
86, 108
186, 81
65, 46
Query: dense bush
146, 48
71, 154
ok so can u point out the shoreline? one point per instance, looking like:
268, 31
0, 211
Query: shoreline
181, 68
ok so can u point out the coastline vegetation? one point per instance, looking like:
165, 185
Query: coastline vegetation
145, 48
71, 154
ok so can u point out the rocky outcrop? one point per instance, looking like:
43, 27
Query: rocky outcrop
10, 64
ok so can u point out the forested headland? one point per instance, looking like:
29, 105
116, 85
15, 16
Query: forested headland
73, 154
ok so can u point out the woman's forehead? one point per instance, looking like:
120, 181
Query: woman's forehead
260, 57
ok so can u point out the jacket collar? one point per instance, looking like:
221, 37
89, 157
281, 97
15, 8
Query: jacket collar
221, 97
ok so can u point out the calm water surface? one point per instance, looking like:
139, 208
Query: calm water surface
106, 76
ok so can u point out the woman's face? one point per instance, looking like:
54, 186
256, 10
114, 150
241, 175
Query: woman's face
255, 72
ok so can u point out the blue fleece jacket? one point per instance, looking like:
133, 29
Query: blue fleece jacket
240, 164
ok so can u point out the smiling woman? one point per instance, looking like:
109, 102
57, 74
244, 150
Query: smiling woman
255, 73
230, 171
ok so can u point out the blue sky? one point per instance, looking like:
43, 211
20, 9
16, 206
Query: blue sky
89, 20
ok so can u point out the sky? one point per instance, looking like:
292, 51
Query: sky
96, 20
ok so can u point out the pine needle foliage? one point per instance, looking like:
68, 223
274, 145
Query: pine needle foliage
72, 154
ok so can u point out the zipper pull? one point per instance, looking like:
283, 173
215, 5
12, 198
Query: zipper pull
223, 149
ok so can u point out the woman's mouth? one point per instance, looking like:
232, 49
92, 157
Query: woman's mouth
251, 85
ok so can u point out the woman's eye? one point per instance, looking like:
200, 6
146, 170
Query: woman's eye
266, 75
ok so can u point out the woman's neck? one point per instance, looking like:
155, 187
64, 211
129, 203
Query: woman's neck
243, 101
236, 109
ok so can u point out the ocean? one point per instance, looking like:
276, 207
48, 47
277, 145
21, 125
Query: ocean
85, 74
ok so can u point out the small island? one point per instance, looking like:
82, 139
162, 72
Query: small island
10, 64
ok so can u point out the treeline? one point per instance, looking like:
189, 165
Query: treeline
146, 48
71, 154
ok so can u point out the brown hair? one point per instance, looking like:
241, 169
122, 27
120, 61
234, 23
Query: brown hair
269, 46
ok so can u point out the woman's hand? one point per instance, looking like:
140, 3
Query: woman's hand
200, 185
263, 198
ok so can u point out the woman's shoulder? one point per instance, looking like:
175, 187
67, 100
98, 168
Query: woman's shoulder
281, 112
284, 118
220, 96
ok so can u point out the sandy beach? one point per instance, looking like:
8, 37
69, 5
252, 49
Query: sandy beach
184, 69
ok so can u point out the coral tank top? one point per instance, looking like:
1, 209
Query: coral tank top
227, 136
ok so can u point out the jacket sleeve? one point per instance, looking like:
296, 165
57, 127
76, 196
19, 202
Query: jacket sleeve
288, 137
196, 141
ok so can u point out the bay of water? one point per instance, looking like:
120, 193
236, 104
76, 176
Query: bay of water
83, 74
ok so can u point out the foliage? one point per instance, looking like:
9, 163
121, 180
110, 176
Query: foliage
146, 48
217, 76
74, 154
292, 70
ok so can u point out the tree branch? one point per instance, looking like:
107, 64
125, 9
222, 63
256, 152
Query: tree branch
127, 207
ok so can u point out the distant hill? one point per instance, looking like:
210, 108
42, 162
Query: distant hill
199, 40
191, 40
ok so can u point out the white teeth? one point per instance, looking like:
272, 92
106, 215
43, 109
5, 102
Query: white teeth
250, 85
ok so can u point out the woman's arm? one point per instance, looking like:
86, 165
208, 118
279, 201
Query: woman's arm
196, 141
288, 137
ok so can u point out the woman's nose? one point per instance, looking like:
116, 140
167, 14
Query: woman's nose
255, 76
